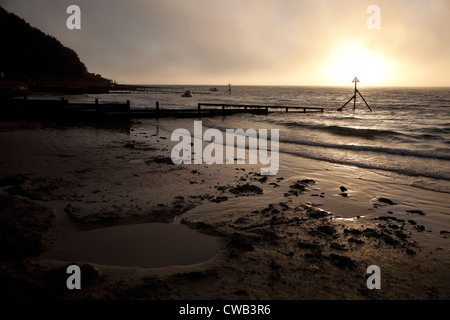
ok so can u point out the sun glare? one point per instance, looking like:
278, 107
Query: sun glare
349, 61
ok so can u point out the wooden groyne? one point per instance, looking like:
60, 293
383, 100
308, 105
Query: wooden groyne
62, 108
237, 108
218, 109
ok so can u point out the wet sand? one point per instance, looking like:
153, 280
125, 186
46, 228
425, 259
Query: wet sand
295, 235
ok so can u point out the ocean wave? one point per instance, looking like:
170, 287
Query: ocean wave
428, 136
437, 130
410, 171
412, 134
394, 151
348, 131
345, 131
430, 154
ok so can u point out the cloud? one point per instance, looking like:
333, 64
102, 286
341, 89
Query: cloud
245, 41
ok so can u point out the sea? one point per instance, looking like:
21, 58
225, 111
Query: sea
407, 132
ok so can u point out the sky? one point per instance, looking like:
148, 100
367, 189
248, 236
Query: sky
254, 42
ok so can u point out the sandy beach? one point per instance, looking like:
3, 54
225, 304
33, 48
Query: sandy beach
308, 232
274, 154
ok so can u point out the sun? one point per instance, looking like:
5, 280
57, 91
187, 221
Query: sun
349, 61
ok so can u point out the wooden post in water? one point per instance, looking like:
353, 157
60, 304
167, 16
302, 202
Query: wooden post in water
229, 89
354, 98
97, 109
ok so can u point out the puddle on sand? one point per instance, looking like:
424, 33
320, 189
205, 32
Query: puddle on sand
147, 245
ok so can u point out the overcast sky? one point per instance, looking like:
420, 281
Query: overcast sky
253, 42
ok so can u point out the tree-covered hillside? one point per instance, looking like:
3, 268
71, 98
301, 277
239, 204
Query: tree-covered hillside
27, 52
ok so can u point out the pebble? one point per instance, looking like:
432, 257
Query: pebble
386, 200
419, 212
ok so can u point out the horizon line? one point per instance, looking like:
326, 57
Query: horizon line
283, 85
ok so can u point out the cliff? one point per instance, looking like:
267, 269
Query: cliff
34, 61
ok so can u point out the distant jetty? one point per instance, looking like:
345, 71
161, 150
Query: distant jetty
128, 89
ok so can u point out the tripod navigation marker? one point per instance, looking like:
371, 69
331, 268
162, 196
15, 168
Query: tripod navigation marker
354, 98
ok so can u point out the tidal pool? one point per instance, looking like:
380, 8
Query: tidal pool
147, 245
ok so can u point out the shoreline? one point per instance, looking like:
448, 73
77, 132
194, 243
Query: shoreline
281, 244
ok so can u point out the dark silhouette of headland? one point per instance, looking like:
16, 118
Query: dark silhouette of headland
32, 61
